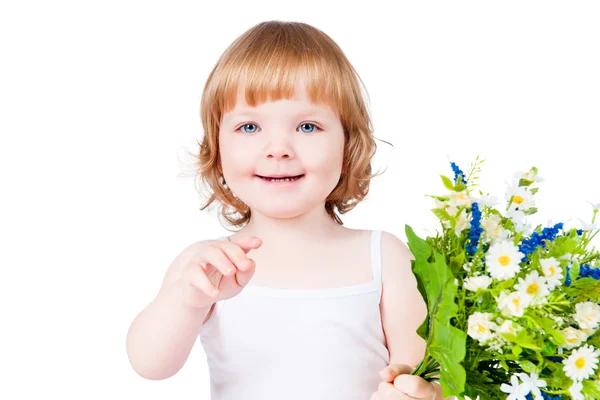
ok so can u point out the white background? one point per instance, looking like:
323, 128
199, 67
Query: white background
99, 101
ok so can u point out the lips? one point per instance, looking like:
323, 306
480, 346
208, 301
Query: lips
279, 176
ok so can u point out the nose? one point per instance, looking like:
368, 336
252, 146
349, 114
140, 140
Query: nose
279, 146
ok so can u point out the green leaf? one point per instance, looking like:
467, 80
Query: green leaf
591, 388
586, 288
527, 366
456, 262
445, 343
441, 214
516, 350
460, 187
447, 182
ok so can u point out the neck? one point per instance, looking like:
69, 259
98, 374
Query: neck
313, 226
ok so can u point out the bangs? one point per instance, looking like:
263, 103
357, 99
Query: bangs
267, 66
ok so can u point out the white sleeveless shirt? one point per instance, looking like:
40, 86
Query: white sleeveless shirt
298, 344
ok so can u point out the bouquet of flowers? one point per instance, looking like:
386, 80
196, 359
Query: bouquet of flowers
513, 312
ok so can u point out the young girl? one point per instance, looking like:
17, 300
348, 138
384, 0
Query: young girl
293, 305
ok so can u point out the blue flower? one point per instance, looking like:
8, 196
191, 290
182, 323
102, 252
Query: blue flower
457, 172
536, 240
476, 229
587, 271
568, 278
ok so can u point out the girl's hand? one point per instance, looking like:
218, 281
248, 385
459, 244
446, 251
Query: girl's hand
404, 387
221, 265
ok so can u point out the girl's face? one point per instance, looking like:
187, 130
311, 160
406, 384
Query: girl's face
285, 137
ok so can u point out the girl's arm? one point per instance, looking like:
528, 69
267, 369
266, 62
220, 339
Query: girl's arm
162, 335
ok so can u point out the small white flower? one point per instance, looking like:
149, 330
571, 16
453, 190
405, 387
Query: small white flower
462, 222
588, 226
575, 391
533, 285
516, 390
486, 201
588, 332
509, 326
503, 260
493, 228
532, 383
481, 326
477, 282
529, 175
587, 315
552, 271
513, 304
459, 199
595, 206
520, 222
581, 363
573, 337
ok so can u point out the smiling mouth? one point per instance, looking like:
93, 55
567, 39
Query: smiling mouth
281, 179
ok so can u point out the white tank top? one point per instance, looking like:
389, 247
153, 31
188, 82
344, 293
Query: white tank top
298, 344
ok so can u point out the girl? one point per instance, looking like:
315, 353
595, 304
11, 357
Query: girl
319, 311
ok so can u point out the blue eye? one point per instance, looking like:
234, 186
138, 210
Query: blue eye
304, 124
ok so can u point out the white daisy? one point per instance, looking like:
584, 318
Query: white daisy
502, 260
587, 315
532, 383
516, 390
493, 228
513, 304
533, 285
575, 391
552, 271
481, 326
581, 363
477, 282
522, 199
573, 337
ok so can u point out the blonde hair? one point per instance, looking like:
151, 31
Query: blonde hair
267, 58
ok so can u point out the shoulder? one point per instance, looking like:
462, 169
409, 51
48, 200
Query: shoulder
396, 257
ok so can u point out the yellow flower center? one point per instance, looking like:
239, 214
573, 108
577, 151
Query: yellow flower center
572, 340
516, 302
552, 270
533, 289
481, 329
504, 260
580, 363
518, 199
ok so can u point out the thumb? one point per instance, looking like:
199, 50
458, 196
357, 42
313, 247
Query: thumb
390, 372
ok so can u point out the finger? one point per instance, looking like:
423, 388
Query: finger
197, 278
243, 277
215, 256
387, 391
414, 386
247, 243
393, 370
237, 255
